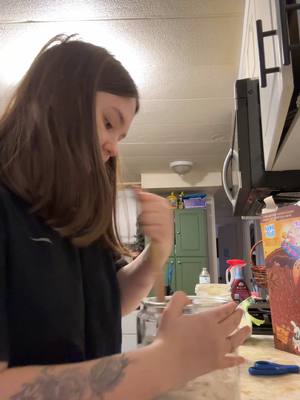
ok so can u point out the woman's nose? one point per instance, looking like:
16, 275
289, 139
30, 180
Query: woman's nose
111, 148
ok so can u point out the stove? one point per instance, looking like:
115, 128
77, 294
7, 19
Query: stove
261, 310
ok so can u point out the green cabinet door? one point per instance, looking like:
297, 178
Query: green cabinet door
187, 273
191, 233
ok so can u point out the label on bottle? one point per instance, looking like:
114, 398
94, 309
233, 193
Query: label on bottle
239, 290
204, 279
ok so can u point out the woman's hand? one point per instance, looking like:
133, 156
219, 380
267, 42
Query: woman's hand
156, 221
200, 343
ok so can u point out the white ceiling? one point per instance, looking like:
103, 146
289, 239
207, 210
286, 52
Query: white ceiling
183, 55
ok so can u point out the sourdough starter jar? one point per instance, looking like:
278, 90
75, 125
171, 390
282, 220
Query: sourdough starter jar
216, 385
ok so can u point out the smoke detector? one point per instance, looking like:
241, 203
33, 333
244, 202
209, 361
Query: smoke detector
181, 167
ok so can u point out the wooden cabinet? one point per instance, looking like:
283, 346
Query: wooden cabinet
276, 94
191, 233
187, 270
189, 254
182, 273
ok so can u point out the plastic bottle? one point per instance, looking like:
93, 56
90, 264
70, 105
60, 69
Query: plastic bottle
204, 277
239, 289
180, 201
172, 200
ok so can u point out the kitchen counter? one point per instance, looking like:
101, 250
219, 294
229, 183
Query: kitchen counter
258, 347
273, 387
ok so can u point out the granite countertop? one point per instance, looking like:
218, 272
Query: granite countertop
221, 384
262, 387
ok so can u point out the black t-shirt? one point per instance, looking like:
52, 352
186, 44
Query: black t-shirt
58, 303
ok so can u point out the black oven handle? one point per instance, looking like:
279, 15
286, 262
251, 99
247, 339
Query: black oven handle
261, 53
286, 46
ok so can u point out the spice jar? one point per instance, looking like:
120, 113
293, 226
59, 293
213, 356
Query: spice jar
217, 385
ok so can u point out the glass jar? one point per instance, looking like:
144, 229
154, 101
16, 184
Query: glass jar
216, 385
223, 291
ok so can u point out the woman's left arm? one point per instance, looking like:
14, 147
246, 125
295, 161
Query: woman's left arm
137, 278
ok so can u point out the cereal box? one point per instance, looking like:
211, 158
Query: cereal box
281, 242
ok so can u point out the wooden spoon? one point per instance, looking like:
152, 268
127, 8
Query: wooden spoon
159, 287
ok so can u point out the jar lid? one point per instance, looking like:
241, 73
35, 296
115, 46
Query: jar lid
197, 303
213, 290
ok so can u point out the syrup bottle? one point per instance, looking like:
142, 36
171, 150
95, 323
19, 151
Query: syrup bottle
238, 287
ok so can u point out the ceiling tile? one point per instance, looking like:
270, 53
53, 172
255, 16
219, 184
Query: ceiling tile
185, 43
24, 10
132, 167
177, 81
185, 111
184, 132
171, 149
183, 55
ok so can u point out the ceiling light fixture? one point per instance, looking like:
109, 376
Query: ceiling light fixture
181, 167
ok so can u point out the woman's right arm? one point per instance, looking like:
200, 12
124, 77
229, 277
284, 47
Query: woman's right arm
134, 375
186, 346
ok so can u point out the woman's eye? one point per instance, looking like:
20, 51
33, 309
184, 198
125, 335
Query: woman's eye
107, 125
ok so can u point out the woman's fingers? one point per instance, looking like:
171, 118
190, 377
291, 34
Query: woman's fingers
231, 360
152, 218
220, 313
176, 305
155, 217
230, 323
147, 199
236, 339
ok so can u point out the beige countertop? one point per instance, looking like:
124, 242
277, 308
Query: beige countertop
285, 387
222, 384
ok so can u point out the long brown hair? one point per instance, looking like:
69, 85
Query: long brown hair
49, 147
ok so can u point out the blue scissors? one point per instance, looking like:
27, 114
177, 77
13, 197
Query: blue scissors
270, 368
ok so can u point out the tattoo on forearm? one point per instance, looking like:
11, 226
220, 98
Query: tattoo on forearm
75, 383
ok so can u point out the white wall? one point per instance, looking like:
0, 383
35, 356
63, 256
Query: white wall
195, 180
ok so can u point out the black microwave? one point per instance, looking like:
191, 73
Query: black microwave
245, 180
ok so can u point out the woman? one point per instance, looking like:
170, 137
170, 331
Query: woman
61, 292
